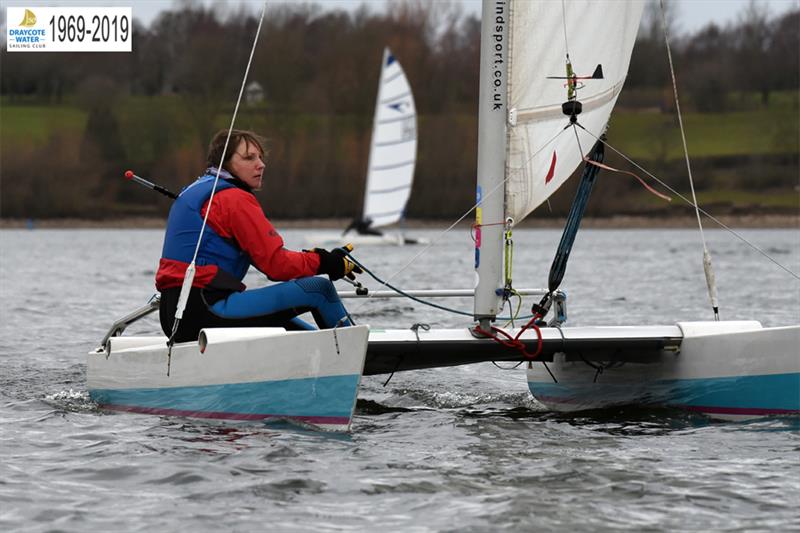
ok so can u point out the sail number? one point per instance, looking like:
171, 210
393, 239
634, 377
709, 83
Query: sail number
100, 28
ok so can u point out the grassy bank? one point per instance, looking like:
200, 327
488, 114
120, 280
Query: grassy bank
61, 161
641, 134
616, 222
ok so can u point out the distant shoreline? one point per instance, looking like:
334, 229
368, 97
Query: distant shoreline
777, 221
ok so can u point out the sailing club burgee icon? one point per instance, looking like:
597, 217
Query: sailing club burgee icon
28, 20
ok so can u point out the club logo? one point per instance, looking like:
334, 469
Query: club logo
28, 20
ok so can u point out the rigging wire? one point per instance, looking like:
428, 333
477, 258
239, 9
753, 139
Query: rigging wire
564, 20
401, 292
707, 263
706, 256
578, 139
437, 238
700, 209
190, 271
707, 268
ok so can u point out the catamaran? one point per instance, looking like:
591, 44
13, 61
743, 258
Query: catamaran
538, 120
390, 171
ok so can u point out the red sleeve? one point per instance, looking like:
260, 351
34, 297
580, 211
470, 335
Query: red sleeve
236, 214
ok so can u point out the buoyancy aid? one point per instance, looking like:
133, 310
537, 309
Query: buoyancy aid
183, 229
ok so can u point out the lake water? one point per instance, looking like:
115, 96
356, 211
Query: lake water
457, 449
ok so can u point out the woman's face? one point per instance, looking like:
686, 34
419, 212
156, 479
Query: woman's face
247, 164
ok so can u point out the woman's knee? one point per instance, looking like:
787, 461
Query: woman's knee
319, 285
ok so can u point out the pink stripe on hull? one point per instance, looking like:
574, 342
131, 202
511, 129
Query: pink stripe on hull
740, 410
557, 399
342, 420
758, 411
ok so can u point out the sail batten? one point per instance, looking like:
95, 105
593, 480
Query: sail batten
554, 110
393, 148
596, 33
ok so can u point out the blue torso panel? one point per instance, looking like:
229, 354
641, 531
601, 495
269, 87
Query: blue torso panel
183, 230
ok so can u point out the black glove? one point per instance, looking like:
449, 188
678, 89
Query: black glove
336, 264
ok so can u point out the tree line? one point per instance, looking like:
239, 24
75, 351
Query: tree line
155, 109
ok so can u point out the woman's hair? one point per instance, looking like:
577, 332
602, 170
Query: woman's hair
237, 136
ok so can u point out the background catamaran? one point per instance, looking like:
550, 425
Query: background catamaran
390, 171
536, 126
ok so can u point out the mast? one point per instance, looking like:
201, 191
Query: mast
492, 112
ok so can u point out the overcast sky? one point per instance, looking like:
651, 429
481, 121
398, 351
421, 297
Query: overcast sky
692, 14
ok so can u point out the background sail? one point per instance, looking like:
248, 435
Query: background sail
597, 32
393, 151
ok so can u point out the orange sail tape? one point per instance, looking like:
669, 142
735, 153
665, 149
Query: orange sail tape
644, 184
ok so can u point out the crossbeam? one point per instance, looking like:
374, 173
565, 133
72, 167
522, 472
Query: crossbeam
433, 293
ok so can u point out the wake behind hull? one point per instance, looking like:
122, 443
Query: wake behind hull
725, 370
251, 374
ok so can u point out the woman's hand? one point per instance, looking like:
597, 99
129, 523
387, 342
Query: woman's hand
336, 264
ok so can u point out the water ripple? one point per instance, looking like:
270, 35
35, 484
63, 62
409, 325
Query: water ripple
458, 449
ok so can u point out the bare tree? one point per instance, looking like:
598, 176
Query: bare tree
752, 44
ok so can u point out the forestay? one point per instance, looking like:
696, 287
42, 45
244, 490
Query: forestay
542, 33
393, 151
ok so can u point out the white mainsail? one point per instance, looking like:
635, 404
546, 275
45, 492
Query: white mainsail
522, 141
541, 33
393, 151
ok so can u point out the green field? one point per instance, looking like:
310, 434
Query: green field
742, 160
723, 198
743, 198
36, 123
655, 136
638, 134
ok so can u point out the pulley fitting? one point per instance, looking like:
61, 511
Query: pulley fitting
572, 108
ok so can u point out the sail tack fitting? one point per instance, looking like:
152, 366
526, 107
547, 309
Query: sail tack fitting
508, 258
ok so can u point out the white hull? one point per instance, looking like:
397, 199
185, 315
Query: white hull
240, 374
722, 369
334, 239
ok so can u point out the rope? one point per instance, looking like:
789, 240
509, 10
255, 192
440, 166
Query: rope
473, 227
513, 314
707, 268
385, 283
190, 270
644, 183
508, 341
510, 322
415, 328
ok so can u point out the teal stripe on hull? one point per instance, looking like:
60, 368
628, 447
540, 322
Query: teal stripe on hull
312, 398
765, 394
779, 392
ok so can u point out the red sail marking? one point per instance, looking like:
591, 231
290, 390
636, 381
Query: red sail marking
552, 169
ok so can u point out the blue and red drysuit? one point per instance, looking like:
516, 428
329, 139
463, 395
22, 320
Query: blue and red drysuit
237, 235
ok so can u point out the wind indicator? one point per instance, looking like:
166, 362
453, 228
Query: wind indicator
572, 107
